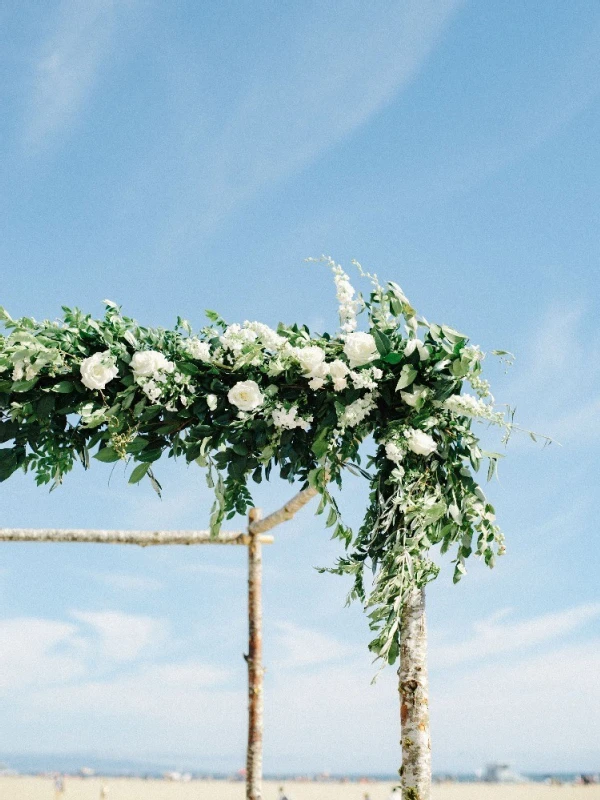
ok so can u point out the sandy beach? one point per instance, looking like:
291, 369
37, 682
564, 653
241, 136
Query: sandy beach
21, 788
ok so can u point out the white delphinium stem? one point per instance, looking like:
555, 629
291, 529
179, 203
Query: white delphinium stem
414, 700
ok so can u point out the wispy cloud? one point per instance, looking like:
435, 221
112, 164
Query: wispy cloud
122, 637
296, 647
329, 74
67, 66
495, 636
38, 651
560, 387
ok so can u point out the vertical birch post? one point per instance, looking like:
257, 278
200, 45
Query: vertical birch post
414, 701
255, 666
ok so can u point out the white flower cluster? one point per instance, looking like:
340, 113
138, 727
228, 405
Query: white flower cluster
468, 406
237, 337
481, 386
394, 452
359, 348
269, 338
366, 378
159, 380
354, 414
348, 307
289, 419
197, 348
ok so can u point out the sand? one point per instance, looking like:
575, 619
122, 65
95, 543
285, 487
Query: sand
134, 789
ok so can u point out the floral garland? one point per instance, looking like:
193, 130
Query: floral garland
240, 399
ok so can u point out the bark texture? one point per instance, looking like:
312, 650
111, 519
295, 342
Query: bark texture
283, 514
254, 757
414, 701
142, 538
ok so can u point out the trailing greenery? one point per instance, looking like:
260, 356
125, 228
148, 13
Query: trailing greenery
242, 399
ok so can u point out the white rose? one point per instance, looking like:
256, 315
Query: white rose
338, 369
198, 349
98, 370
310, 359
246, 395
211, 401
360, 348
420, 442
146, 363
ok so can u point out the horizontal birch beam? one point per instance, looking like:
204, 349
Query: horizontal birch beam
141, 538
285, 513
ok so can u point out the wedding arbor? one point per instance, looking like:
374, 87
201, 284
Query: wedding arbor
253, 538
241, 399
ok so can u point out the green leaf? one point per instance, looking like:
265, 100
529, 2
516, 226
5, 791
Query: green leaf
150, 455
8, 431
331, 518
138, 473
155, 484
137, 445
407, 376
187, 368
382, 341
24, 386
45, 405
63, 387
393, 358
321, 443
107, 455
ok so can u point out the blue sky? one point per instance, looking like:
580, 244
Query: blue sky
179, 156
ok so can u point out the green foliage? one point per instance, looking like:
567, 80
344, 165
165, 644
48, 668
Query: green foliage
242, 400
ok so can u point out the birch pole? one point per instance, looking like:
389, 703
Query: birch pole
254, 754
414, 701
141, 538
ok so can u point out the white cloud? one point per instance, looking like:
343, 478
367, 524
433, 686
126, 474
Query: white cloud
302, 647
37, 651
154, 690
123, 637
541, 713
493, 636
68, 65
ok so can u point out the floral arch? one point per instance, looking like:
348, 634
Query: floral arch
240, 400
